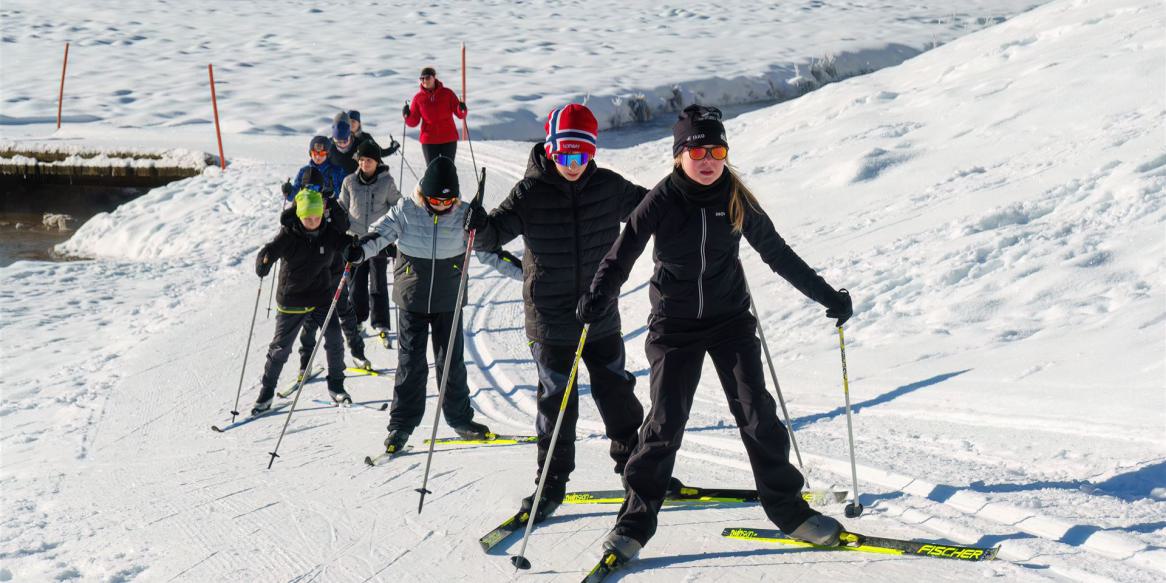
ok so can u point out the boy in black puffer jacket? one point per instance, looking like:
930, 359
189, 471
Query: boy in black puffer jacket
568, 212
307, 244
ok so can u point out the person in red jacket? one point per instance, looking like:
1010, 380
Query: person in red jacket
433, 107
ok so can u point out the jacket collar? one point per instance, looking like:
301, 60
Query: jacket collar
541, 168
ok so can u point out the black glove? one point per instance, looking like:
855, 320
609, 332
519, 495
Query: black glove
842, 309
394, 145
461, 106
593, 306
509, 258
476, 218
263, 263
390, 251
405, 111
354, 253
287, 188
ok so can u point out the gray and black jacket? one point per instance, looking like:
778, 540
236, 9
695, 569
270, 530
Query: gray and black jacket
368, 200
430, 250
566, 228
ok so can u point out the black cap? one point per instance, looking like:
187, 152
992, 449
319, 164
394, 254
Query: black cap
440, 180
367, 149
312, 176
698, 125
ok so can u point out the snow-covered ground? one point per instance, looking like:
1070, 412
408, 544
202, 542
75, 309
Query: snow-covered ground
995, 206
286, 67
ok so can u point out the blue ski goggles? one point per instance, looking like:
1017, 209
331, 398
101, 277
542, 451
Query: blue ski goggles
578, 159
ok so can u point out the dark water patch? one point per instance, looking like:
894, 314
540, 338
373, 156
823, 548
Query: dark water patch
36, 217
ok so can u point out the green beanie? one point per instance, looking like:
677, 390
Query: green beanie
309, 203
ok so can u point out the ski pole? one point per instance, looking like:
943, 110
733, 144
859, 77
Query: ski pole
453, 328
416, 178
246, 351
271, 291
303, 377
520, 561
854, 508
465, 124
404, 137
773, 374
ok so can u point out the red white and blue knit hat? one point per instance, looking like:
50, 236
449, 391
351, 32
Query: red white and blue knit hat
571, 129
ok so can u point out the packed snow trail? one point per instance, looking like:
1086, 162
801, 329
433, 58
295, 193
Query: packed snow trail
1005, 356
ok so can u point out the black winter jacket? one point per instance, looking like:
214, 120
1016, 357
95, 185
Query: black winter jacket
698, 268
567, 227
309, 275
366, 137
345, 160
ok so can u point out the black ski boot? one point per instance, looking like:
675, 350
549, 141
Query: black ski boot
818, 529
260, 407
359, 359
396, 440
625, 547
340, 397
551, 499
471, 430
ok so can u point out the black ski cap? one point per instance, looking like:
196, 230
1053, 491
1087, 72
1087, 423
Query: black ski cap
698, 125
440, 180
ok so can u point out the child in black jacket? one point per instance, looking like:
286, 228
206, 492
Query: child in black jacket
700, 305
308, 242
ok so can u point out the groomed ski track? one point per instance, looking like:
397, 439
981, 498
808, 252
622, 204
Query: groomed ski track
149, 493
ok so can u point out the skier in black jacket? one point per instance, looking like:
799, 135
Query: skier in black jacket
700, 306
361, 137
568, 212
311, 235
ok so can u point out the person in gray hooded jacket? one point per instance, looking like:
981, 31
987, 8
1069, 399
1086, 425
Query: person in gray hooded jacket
431, 242
368, 194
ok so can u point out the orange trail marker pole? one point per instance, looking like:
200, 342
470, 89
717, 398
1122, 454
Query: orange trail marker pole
215, 103
61, 95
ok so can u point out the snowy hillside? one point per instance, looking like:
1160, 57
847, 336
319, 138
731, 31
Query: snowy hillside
995, 205
286, 67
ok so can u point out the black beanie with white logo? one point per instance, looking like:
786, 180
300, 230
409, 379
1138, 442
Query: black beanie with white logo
440, 179
698, 125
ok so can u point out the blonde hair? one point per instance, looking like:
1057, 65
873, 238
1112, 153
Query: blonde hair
738, 198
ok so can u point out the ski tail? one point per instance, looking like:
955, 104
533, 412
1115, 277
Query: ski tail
502, 531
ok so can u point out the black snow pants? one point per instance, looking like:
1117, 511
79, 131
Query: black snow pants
288, 322
349, 326
413, 370
431, 151
370, 292
613, 389
676, 349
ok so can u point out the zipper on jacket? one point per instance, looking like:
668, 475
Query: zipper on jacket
578, 252
432, 267
704, 231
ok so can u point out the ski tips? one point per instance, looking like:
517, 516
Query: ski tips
520, 562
